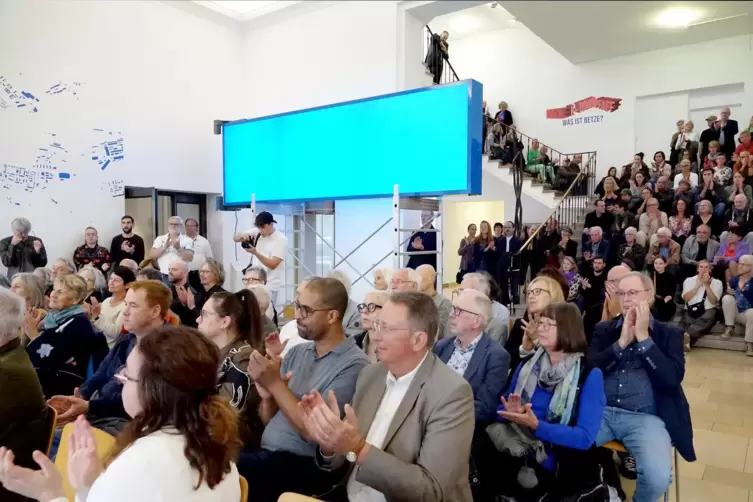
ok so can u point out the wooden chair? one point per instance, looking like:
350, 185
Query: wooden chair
619, 447
294, 497
52, 421
104, 443
244, 489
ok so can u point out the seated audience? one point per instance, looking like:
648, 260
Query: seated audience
599, 217
211, 279
473, 355
64, 344
99, 398
610, 197
638, 182
444, 305
612, 307
542, 291
611, 173
637, 166
595, 247
20, 252
651, 221
566, 175
261, 294
95, 285
352, 318
107, 316
709, 161
60, 267
722, 172
728, 256
706, 217
626, 175
499, 324
556, 274
665, 286
91, 253
737, 304
177, 274
623, 219
257, 276
643, 364
182, 439
554, 407
406, 279
592, 289
684, 191
680, 221
632, 250
666, 248
637, 206
370, 310
24, 417
332, 362
289, 336
566, 246
29, 288
232, 321
570, 270
746, 145
383, 277
713, 192
536, 163
737, 187
664, 194
659, 167
43, 274
686, 175
697, 248
429, 407
495, 142
701, 294
738, 216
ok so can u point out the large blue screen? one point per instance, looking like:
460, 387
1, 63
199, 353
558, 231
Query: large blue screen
428, 141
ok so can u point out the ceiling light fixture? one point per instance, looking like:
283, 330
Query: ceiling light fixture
678, 17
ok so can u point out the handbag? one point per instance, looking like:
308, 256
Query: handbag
697, 309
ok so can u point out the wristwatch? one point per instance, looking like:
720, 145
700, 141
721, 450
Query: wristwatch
352, 455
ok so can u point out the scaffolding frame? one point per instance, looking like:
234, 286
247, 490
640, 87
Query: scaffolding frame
399, 204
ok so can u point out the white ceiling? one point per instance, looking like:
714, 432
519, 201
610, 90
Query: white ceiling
243, 10
473, 21
587, 31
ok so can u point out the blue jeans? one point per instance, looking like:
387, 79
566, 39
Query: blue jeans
647, 439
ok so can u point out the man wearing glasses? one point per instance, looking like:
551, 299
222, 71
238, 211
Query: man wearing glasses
329, 362
172, 246
643, 363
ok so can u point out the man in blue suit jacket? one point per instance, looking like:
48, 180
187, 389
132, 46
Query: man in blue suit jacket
643, 364
473, 355
507, 245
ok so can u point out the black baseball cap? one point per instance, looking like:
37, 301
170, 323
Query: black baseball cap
264, 218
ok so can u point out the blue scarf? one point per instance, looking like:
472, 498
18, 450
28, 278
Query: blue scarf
54, 320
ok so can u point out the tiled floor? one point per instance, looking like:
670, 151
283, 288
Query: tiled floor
719, 387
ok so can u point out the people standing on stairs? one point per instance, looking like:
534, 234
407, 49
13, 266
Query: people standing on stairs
126, 245
727, 130
21, 252
737, 304
508, 246
708, 136
437, 53
486, 118
465, 251
674, 155
504, 116
268, 248
485, 253
665, 287
424, 240
702, 294
697, 248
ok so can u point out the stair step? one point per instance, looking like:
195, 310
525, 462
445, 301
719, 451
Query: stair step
712, 341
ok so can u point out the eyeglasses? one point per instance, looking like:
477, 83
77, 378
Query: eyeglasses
380, 327
205, 313
371, 307
545, 326
631, 293
122, 377
537, 291
306, 311
252, 280
456, 311
174, 225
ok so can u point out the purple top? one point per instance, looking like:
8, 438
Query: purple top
741, 249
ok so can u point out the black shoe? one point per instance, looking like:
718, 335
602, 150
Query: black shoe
627, 466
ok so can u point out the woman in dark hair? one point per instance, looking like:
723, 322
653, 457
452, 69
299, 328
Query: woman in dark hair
665, 285
232, 321
556, 400
182, 439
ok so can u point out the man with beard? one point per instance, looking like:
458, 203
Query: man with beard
331, 362
127, 244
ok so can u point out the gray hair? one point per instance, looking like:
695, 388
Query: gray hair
414, 276
482, 281
343, 278
21, 225
664, 231
262, 273
746, 259
645, 280
68, 263
262, 296
598, 230
33, 287
631, 230
46, 273
100, 282
129, 263
180, 220
483, 305
12, 309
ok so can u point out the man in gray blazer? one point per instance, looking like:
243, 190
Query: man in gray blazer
408, 434
696, 248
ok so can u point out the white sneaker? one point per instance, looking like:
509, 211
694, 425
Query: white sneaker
686, 342
728, 332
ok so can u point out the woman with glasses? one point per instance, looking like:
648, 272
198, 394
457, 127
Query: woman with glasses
369, 310
211, 277
179, 445
233, 322
522, 340
665, 286
552, 410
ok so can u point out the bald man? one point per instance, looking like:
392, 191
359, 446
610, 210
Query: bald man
444, 306
612, 307
177, 274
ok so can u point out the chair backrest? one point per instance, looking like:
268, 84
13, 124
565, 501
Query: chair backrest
294, 497
244, 489
104, 443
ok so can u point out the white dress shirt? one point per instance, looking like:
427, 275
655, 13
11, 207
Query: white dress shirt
395, 391
171, 254
201, 251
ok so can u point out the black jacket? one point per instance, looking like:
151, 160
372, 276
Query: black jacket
21, 257
744, 220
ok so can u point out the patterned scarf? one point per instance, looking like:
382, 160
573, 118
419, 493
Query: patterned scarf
562, 378
54, 320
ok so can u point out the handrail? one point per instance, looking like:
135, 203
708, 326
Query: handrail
454, 74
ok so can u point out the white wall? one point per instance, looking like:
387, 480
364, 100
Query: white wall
518, 67
144, 71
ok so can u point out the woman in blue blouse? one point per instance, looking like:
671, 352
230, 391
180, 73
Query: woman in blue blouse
551, 412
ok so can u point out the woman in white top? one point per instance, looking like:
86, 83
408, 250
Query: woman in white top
179, 446
685, 174
107, 316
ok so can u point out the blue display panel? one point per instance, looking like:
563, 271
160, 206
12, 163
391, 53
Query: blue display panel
428, 141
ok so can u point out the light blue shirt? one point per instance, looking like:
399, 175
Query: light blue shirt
461, 358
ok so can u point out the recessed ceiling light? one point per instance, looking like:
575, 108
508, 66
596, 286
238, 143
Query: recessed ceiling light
678, 17
465, 23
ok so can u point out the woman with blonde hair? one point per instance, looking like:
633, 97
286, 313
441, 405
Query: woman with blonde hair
542, 292
610, 196
484, 253
30, 288
382, 279
95, 284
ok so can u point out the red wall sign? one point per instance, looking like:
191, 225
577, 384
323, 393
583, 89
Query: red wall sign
605, 104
